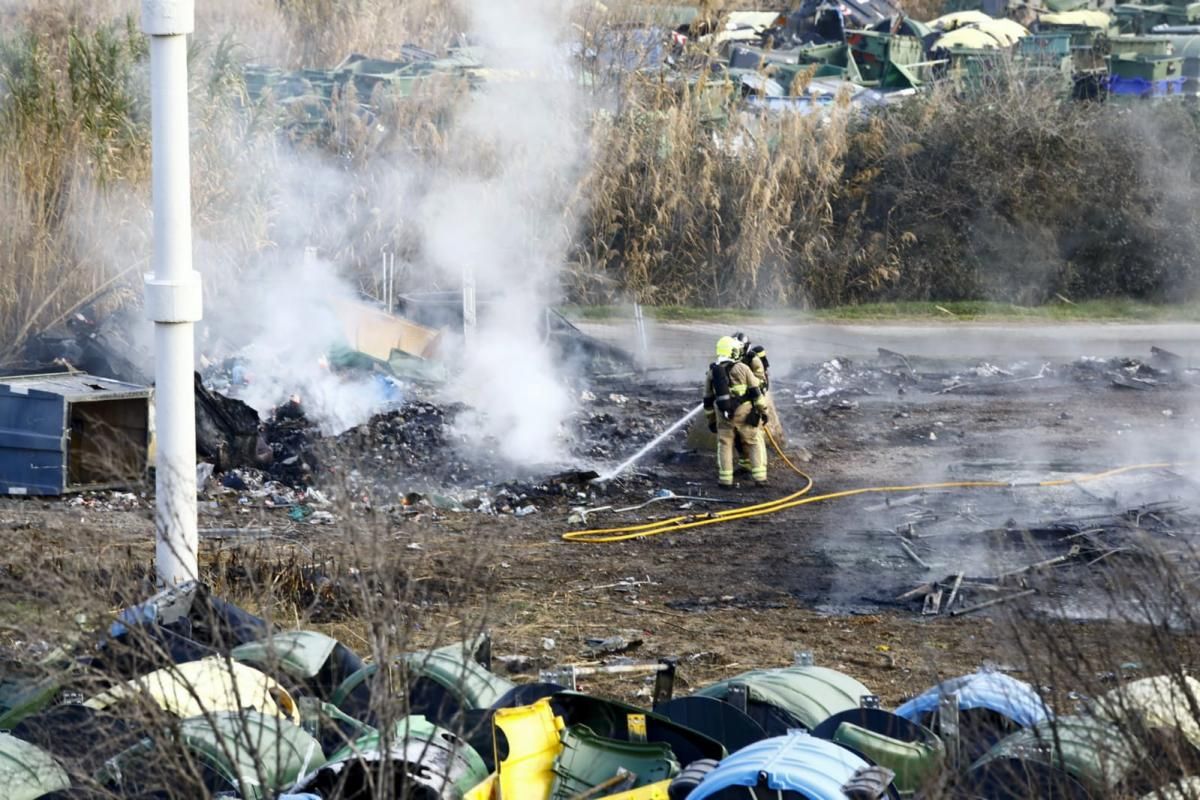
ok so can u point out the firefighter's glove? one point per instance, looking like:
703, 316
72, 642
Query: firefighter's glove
712, 427
753, 418
762, 415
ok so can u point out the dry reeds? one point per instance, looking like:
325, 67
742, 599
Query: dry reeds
1005, 190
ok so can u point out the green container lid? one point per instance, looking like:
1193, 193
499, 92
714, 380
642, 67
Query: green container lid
914, 763
807, 694
27, 771
299, 654
1141, 45
588, 760
1149, 68
1081, 749
452, 667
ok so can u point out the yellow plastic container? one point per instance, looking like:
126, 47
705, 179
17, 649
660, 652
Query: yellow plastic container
483, 791
533, 737
655, 791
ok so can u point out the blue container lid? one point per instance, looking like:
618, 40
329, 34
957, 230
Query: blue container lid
993, 691
797, 762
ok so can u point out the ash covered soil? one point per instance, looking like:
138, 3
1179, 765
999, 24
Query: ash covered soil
405, 505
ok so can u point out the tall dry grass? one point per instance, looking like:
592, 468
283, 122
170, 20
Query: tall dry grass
74, 128
725, 210
325, 31
1004, 191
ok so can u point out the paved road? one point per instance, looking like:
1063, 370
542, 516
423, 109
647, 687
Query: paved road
688, 346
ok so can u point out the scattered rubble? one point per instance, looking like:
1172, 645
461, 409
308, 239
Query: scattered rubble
839, 379
1076, 544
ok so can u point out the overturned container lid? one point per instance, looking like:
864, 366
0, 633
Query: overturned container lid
782, 699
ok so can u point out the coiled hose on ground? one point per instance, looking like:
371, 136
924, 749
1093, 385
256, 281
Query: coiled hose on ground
799, 498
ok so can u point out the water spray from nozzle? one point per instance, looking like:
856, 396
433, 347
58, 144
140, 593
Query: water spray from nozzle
640, 454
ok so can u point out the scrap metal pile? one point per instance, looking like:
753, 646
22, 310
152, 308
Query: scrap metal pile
804, 59
876, 54
306, 96
185, 695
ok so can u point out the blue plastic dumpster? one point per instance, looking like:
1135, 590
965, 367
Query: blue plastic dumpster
71, 432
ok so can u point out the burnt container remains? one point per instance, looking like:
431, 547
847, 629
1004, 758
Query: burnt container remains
71, 432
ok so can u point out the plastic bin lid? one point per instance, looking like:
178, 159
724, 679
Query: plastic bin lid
993, 691
797, 762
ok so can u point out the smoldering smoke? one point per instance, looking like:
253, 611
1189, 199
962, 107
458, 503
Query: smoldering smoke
500, 211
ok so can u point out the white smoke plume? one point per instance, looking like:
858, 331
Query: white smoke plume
279, 316
501, 205
284, 329
497, 207
501, 211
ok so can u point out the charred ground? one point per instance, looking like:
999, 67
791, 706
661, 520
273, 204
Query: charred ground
404, 504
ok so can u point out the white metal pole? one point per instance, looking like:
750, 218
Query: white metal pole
383, 277
391, 291
640, 321
173, 298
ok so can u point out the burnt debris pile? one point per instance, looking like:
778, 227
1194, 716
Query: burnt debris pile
420, 450
1065, 561
379, 397
838, 381
291, 438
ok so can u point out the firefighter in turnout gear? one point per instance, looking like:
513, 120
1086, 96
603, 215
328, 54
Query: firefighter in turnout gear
756, 359
735, 407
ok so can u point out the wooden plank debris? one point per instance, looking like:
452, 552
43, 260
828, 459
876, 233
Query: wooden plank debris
993, 602
958, 579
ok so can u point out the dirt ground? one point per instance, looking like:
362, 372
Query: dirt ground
722, 599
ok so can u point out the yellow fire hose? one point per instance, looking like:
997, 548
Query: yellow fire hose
800, 498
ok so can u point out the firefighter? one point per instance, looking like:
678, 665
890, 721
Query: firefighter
756, 359
736, 409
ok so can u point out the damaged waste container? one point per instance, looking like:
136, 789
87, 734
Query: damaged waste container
71, 432
792, 767
442, 683
227, 431
991, 705
912, 752
790, 697
1070, 758
27, 771
428, 762
254, 754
